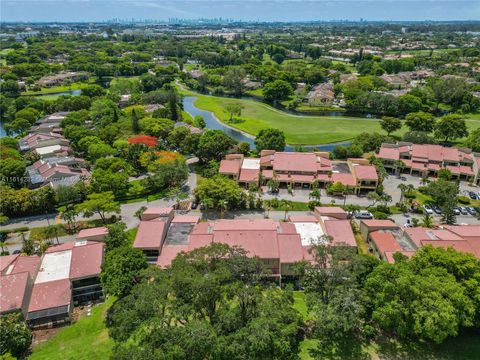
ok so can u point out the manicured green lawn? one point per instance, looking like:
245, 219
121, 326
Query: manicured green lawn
301, 130
87, 339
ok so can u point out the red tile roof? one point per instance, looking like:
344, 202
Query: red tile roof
230, 166
186, 219
244, 224
50, 295
28, 264
12, 291
472, 230
158, 211
385, 241
345, 179
380, 223
98, 231
389, 153
169, 252
249, 175
290, 247
294, 161
391, 260
302, 218
287, 228
365, 172
86, 261
6, 260
149, 234
341, 232
261, 243
461, 246
328, 210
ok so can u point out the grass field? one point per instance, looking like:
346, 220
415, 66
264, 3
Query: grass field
299, 130
87, 339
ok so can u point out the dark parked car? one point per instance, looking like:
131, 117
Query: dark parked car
194, 205
436, 209
471, 210
472, 195
15, 252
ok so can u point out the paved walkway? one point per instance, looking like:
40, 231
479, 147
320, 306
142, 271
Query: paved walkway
127, 211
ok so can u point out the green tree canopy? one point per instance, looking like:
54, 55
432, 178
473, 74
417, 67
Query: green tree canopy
270, 139
121, 268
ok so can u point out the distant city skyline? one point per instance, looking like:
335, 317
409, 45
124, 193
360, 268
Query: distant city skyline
246, 10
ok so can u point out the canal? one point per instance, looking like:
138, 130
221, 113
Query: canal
213, 123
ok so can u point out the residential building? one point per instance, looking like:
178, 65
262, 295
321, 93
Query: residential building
45, 289
321, 94
38, 140
299, 169
162, 235
57, 170
427, 159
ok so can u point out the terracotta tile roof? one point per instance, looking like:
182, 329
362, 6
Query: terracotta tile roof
86, 261
341, 232
29, 264
472, 230
380, 223
249, 175
98, 231
267, 174
169, 252
50, 295
244, 224
391, 260
149, 234
302, 218
186, 219
389, 153
385, 241
160, 212
327, 210
294, 161
365, 172
287, 228
12, 291
290, 248
345, 179
6, 260
302, 178
461, 246
230, 166
261, 243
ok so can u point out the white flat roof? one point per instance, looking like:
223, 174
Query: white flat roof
310, 233
47, 149
251, 163
55, 266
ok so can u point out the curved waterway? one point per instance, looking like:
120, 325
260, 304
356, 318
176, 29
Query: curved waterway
213, 123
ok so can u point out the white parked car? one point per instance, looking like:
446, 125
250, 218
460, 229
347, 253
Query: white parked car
427, 209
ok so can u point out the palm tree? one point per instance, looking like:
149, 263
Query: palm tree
50, 232
427, 221
399, 166
2, 245
267, 204
287, 204
403, 188
69, 216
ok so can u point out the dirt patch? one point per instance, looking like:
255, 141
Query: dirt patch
42, 335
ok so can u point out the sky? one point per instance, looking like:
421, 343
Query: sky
247, 10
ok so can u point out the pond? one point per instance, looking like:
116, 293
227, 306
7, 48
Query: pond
213, 123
